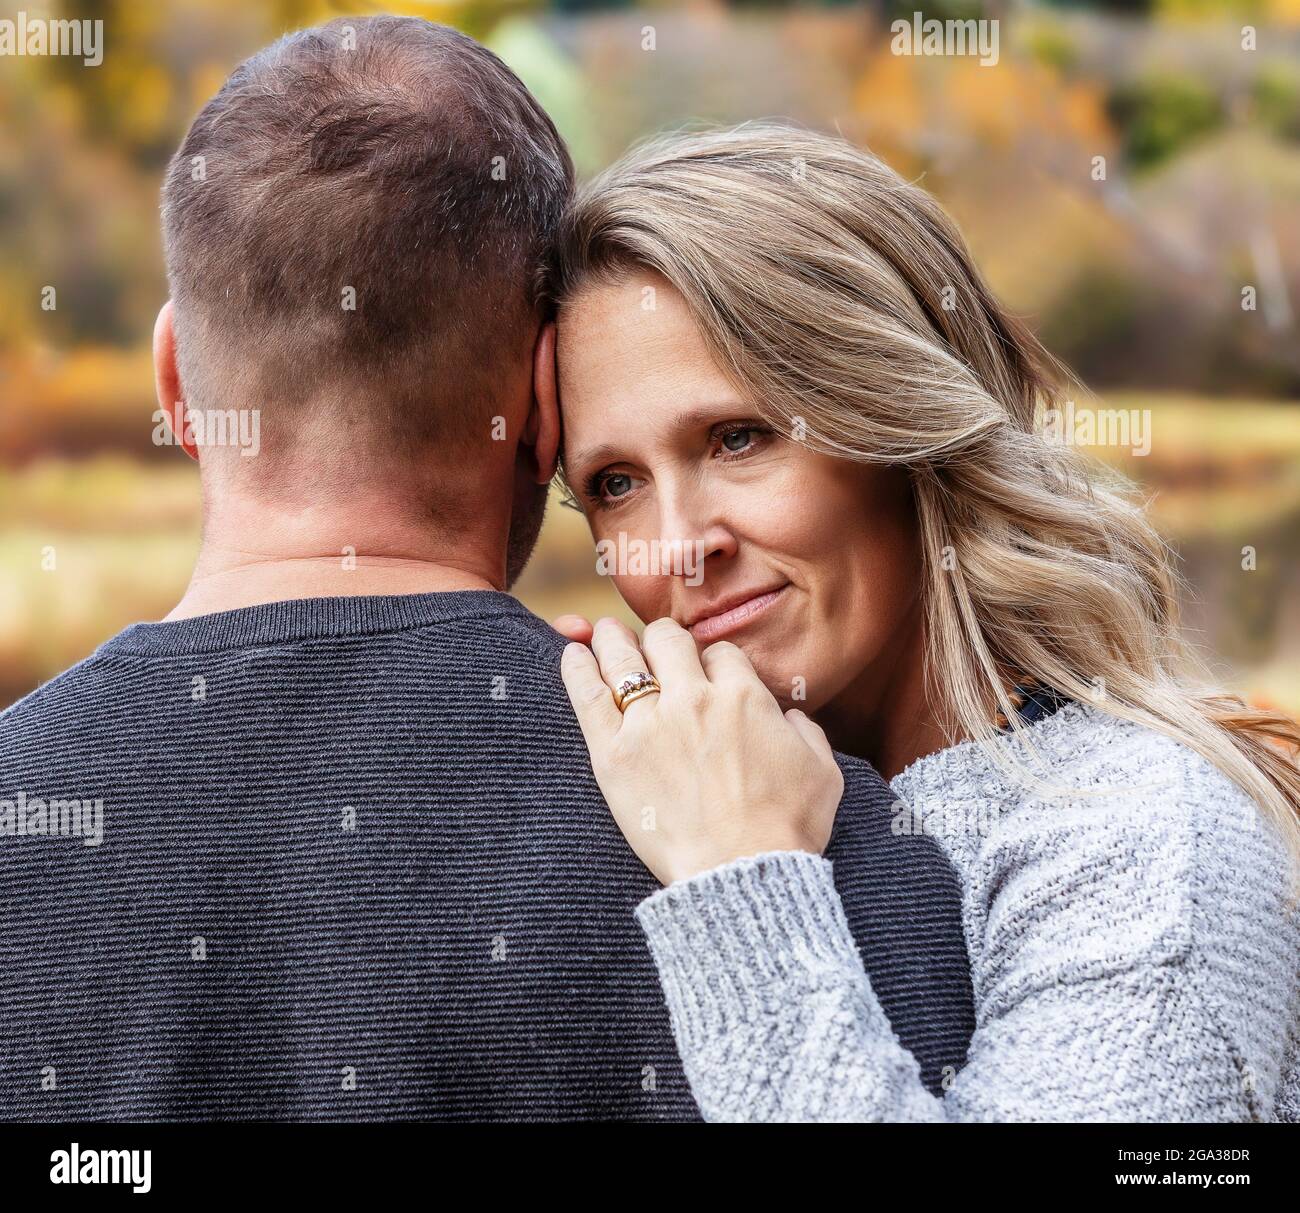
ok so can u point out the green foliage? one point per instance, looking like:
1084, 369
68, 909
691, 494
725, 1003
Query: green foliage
939, 10
1052, 45
1162, 114
1276, 97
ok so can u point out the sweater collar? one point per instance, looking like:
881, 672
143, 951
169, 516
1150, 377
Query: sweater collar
972, 765
309, 619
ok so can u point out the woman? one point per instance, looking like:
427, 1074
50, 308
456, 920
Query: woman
777, 361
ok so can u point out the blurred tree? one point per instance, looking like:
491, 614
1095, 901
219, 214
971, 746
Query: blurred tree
1276, 97
555, 80
1162, 114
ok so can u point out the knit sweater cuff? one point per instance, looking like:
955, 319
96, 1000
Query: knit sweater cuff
732, 943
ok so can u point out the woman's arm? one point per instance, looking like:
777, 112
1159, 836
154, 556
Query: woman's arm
1135, 959
775, 1018
773, 1013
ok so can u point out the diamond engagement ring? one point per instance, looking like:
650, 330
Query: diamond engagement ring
632, 687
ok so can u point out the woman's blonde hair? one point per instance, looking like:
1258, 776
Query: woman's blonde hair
844, 302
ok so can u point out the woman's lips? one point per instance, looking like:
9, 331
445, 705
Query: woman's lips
715, 627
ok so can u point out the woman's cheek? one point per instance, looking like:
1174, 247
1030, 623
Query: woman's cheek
781, 512
649, 597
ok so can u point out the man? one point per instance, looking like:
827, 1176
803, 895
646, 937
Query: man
352, 862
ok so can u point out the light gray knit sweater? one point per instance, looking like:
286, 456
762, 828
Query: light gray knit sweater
1133, 953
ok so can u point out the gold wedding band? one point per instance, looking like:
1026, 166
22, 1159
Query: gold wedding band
633, 687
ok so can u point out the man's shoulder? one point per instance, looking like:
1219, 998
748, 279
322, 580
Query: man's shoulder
498, 672
864, 786
456, 712
533, 638
507, 652
49, 696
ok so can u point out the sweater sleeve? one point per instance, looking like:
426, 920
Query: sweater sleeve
1118, 976
773, 1013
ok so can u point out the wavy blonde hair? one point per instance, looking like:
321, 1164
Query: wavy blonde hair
845, 304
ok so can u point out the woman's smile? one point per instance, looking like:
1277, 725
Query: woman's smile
729, 615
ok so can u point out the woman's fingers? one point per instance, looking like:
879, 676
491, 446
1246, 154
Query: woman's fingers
617, 650
726, 662
573, 627
672, 653
619, 654
811, 732
593, 704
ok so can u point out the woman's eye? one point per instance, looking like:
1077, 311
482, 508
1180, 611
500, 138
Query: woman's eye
604, 487
616, 484
740, 439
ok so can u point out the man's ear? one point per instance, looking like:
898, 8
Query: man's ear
542, 430
167, 379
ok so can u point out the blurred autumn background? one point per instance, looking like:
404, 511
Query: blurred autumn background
1127, 174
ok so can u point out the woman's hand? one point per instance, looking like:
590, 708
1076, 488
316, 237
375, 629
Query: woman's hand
573, 627
709, 770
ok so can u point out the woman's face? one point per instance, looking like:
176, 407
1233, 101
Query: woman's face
809, 563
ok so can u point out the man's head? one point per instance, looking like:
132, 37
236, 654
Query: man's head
353, 226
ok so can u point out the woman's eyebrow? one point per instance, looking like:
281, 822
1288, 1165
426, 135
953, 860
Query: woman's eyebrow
683, 421
595, 455
708, 413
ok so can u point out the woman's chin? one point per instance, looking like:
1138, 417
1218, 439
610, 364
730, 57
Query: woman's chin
788, 688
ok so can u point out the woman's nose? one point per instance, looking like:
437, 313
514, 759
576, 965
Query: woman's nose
700, 535
718, 540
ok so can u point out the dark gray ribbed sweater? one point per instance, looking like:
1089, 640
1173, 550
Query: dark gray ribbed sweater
354, 865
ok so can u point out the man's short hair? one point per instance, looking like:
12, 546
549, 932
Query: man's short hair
357, 218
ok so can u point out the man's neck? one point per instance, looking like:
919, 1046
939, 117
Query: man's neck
318, 577
253, 554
